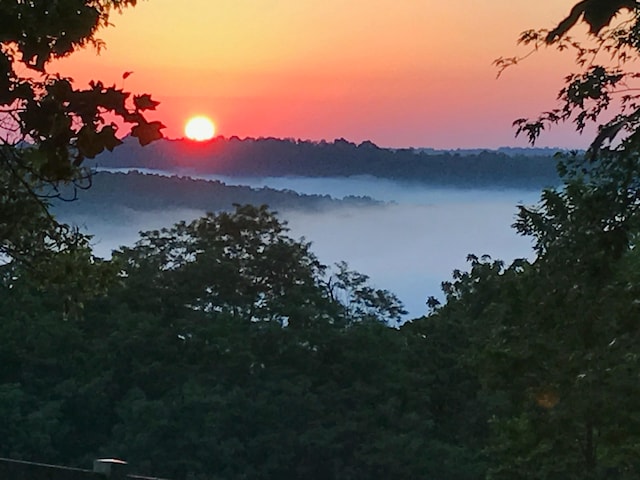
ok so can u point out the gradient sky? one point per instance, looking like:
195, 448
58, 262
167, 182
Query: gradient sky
397, 72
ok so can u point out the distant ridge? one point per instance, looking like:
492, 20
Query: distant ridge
511, 151
112, 192
272, 157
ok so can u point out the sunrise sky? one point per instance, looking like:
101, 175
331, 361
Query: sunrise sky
397, 72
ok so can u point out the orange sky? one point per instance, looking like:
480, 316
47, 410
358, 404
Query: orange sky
397, 72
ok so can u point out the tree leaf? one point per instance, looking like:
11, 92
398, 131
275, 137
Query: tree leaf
147, 132
596, 13
108, 138
144, 102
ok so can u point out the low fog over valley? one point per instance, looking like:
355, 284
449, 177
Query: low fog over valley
408, 237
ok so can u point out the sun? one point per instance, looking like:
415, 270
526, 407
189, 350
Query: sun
199, 128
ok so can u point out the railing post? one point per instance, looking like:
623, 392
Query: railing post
111, 468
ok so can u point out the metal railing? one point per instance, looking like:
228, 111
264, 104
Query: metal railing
103, 469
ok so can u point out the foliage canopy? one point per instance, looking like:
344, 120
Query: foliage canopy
554, 341
48, 126
224, 349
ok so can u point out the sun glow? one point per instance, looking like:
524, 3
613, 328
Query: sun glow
199, 128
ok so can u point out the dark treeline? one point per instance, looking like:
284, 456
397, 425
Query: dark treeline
281, 157
222, 349
139, 191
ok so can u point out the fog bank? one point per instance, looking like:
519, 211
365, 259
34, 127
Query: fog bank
411, 249
408, 247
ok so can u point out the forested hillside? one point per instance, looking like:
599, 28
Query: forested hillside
110, 192
223, 349
267, 157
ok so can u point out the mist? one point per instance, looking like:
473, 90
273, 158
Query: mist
113, 228
363, 185
411, 249
408, 247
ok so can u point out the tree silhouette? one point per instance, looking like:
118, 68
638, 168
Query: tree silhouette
48, 126
552, 339
604, 82
596, 13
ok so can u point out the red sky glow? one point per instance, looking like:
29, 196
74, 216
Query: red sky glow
399, 73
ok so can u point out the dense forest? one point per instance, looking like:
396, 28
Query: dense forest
223, 349
270, 157
110, 192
